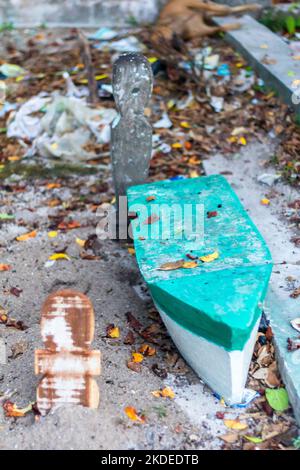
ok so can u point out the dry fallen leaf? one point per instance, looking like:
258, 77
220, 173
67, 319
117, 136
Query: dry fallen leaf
133, 415
229, 438
112, 331
172, 265
235, 424
272, 379
133, 322
147, 350
131, 250
166, 392
11, 322
27, 236
53, 185
296, 324
18, 349
54, 202
88, 256
260, 374
69, 225
12, 411
209, 258
80, 242
135, 366
189, 264
5, 267
137, 357
295, 293
151, 219
16, 291
129, 338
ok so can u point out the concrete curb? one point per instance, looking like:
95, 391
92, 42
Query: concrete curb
241, 172
257, 43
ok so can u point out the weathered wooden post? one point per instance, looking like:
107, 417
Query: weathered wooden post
67, 364
131, 143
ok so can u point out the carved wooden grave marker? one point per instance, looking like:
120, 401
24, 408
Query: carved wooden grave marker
131, 132
67, 364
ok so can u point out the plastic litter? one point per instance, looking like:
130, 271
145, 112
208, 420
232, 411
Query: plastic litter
217, 102
72, 89
2, 92
105, 91
66, 126
104, 34
177, 178
185, 102
164, 123
24, 123
211, 62
12, 70
244, 81
223, 70
248, 397
268, 178
129, 44
296, 324
6, 108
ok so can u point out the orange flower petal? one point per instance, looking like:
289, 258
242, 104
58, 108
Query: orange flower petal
133, 415
26, 236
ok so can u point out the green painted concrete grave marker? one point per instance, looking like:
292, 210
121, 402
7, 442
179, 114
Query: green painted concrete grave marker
212, 310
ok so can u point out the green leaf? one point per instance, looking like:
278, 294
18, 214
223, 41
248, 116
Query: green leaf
296, 442
278, 398
255, 440
4, 216
290, 24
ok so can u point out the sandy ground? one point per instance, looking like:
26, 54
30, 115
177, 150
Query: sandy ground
115, 287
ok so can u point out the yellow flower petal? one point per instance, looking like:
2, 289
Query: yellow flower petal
167, 392
185, 124
235, 424
52, 234
265, 201
114, 332
57, 256
137, 357
80, 242
177, 145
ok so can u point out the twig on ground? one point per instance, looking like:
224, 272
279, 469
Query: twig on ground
87, 60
